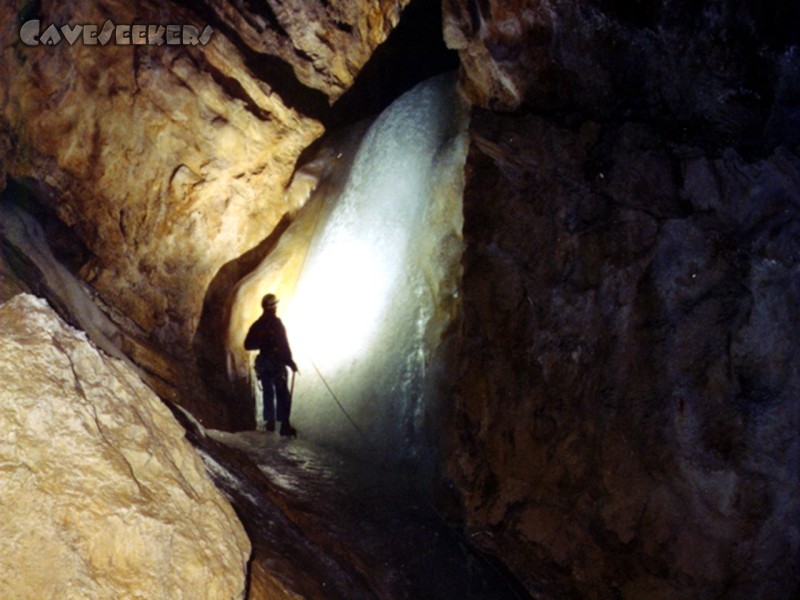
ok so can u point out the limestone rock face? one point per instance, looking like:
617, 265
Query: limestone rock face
628, 400
626, 404
101, 495
734, 64
167, 161
325, 42
9, 285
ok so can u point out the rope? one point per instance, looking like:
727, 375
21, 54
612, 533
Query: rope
384, 462
410, 484
339, 404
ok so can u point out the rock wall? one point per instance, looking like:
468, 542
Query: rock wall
627, 401
625, 408
625, 397
170, 162
731, 66
102, 497
325, 42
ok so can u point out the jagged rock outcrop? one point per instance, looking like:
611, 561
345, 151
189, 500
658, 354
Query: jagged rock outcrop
101, 496
732, 67
167, 161
325, 42
626, 407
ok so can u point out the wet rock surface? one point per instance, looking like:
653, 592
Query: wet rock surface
327, 526
100, 494
626, 407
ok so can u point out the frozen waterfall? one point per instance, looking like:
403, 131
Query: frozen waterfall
375, 278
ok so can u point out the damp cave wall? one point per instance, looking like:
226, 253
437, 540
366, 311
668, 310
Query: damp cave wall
625, 402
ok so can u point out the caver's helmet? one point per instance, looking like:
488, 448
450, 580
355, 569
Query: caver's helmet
269, 301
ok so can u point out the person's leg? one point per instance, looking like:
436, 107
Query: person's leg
284, 401
268, 396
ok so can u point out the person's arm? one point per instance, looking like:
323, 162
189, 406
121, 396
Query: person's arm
286, 351
253, 339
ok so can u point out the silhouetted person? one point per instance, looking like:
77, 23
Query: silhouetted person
268, 336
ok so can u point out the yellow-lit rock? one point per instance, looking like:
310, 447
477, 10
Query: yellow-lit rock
168, 161
100, 494
9, 286
325, 42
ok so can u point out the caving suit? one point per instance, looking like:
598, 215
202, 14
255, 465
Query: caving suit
268, 336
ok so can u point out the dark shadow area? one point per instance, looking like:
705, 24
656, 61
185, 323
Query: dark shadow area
39, 200
326, 526
413, 52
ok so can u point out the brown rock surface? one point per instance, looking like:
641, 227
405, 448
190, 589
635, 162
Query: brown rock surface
168, 161
626, 405
732, 67
625, 402
325, 42
102, 497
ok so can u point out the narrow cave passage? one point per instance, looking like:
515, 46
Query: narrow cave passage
368, 275
325, 526
368, 271
368, 278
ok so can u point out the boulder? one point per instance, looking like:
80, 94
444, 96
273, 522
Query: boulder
100, 494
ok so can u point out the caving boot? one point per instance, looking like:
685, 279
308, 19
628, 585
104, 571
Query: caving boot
270, 426
287, 430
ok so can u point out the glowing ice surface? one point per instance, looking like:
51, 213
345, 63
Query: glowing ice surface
338, 308
379, 276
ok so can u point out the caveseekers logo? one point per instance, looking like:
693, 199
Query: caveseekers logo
31, 34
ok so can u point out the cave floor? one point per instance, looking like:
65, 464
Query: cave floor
329, 526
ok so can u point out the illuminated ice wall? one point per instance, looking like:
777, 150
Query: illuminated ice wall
377, 285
